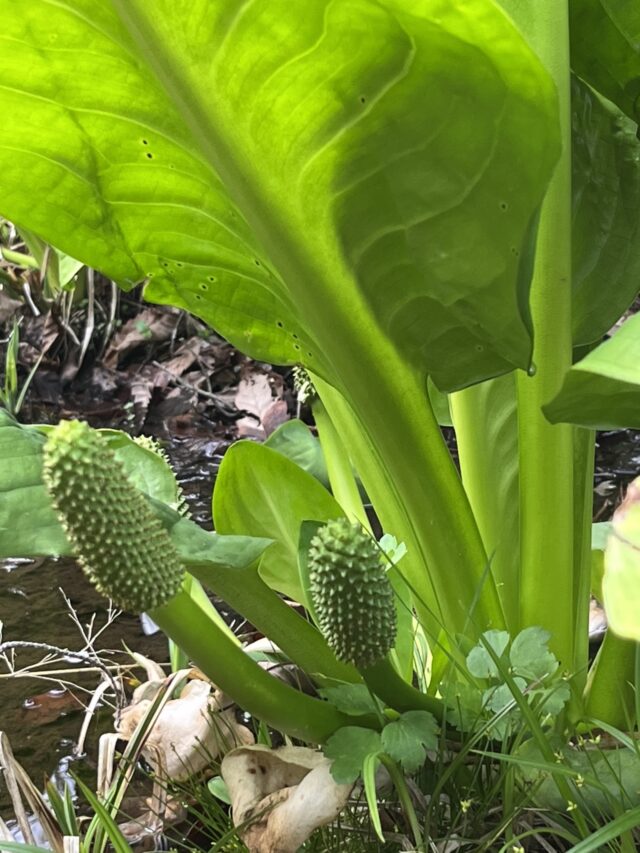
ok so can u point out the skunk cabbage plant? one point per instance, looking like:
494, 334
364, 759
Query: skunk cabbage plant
420, 202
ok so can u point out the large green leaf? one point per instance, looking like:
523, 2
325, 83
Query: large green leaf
605, 171
115, 177
218, 148
606, 224
261, 493
28, 525
603, 389
605, 49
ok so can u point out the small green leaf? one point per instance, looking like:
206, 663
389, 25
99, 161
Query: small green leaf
29, 527
557, 697
392, 549
295, 440
496, 699
217, 786
479, 661
205, 550
347, 749
353, 699
408, 739
464, 704
530, 656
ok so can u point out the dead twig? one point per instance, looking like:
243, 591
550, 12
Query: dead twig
82, 657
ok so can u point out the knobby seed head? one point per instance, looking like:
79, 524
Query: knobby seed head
351, 593
121, 545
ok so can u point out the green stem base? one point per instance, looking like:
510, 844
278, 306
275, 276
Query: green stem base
236, 674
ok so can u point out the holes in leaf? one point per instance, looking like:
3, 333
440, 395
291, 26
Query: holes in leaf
145, 141
149, 155
203, 286
179, 264
294, 336
504, 205
165, 264
212, 278
363, 100
479, 348
296, 346
198, 297
280, 324
256, 262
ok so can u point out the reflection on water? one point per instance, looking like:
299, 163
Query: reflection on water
42, 720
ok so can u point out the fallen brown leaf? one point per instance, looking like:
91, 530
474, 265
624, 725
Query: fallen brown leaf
151, 324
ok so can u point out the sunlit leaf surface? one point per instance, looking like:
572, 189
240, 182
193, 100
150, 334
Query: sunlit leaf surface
263, 163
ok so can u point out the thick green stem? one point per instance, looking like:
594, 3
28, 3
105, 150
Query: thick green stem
385, 682
441, 599
546, 451
393, 522
486, 424
584, 459
339, 467
235, 673
194, 588
246, 592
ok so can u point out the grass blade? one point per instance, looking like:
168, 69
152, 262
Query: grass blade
369, 766
624, 823
109, 825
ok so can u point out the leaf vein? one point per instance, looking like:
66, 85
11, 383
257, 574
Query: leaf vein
352, 121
